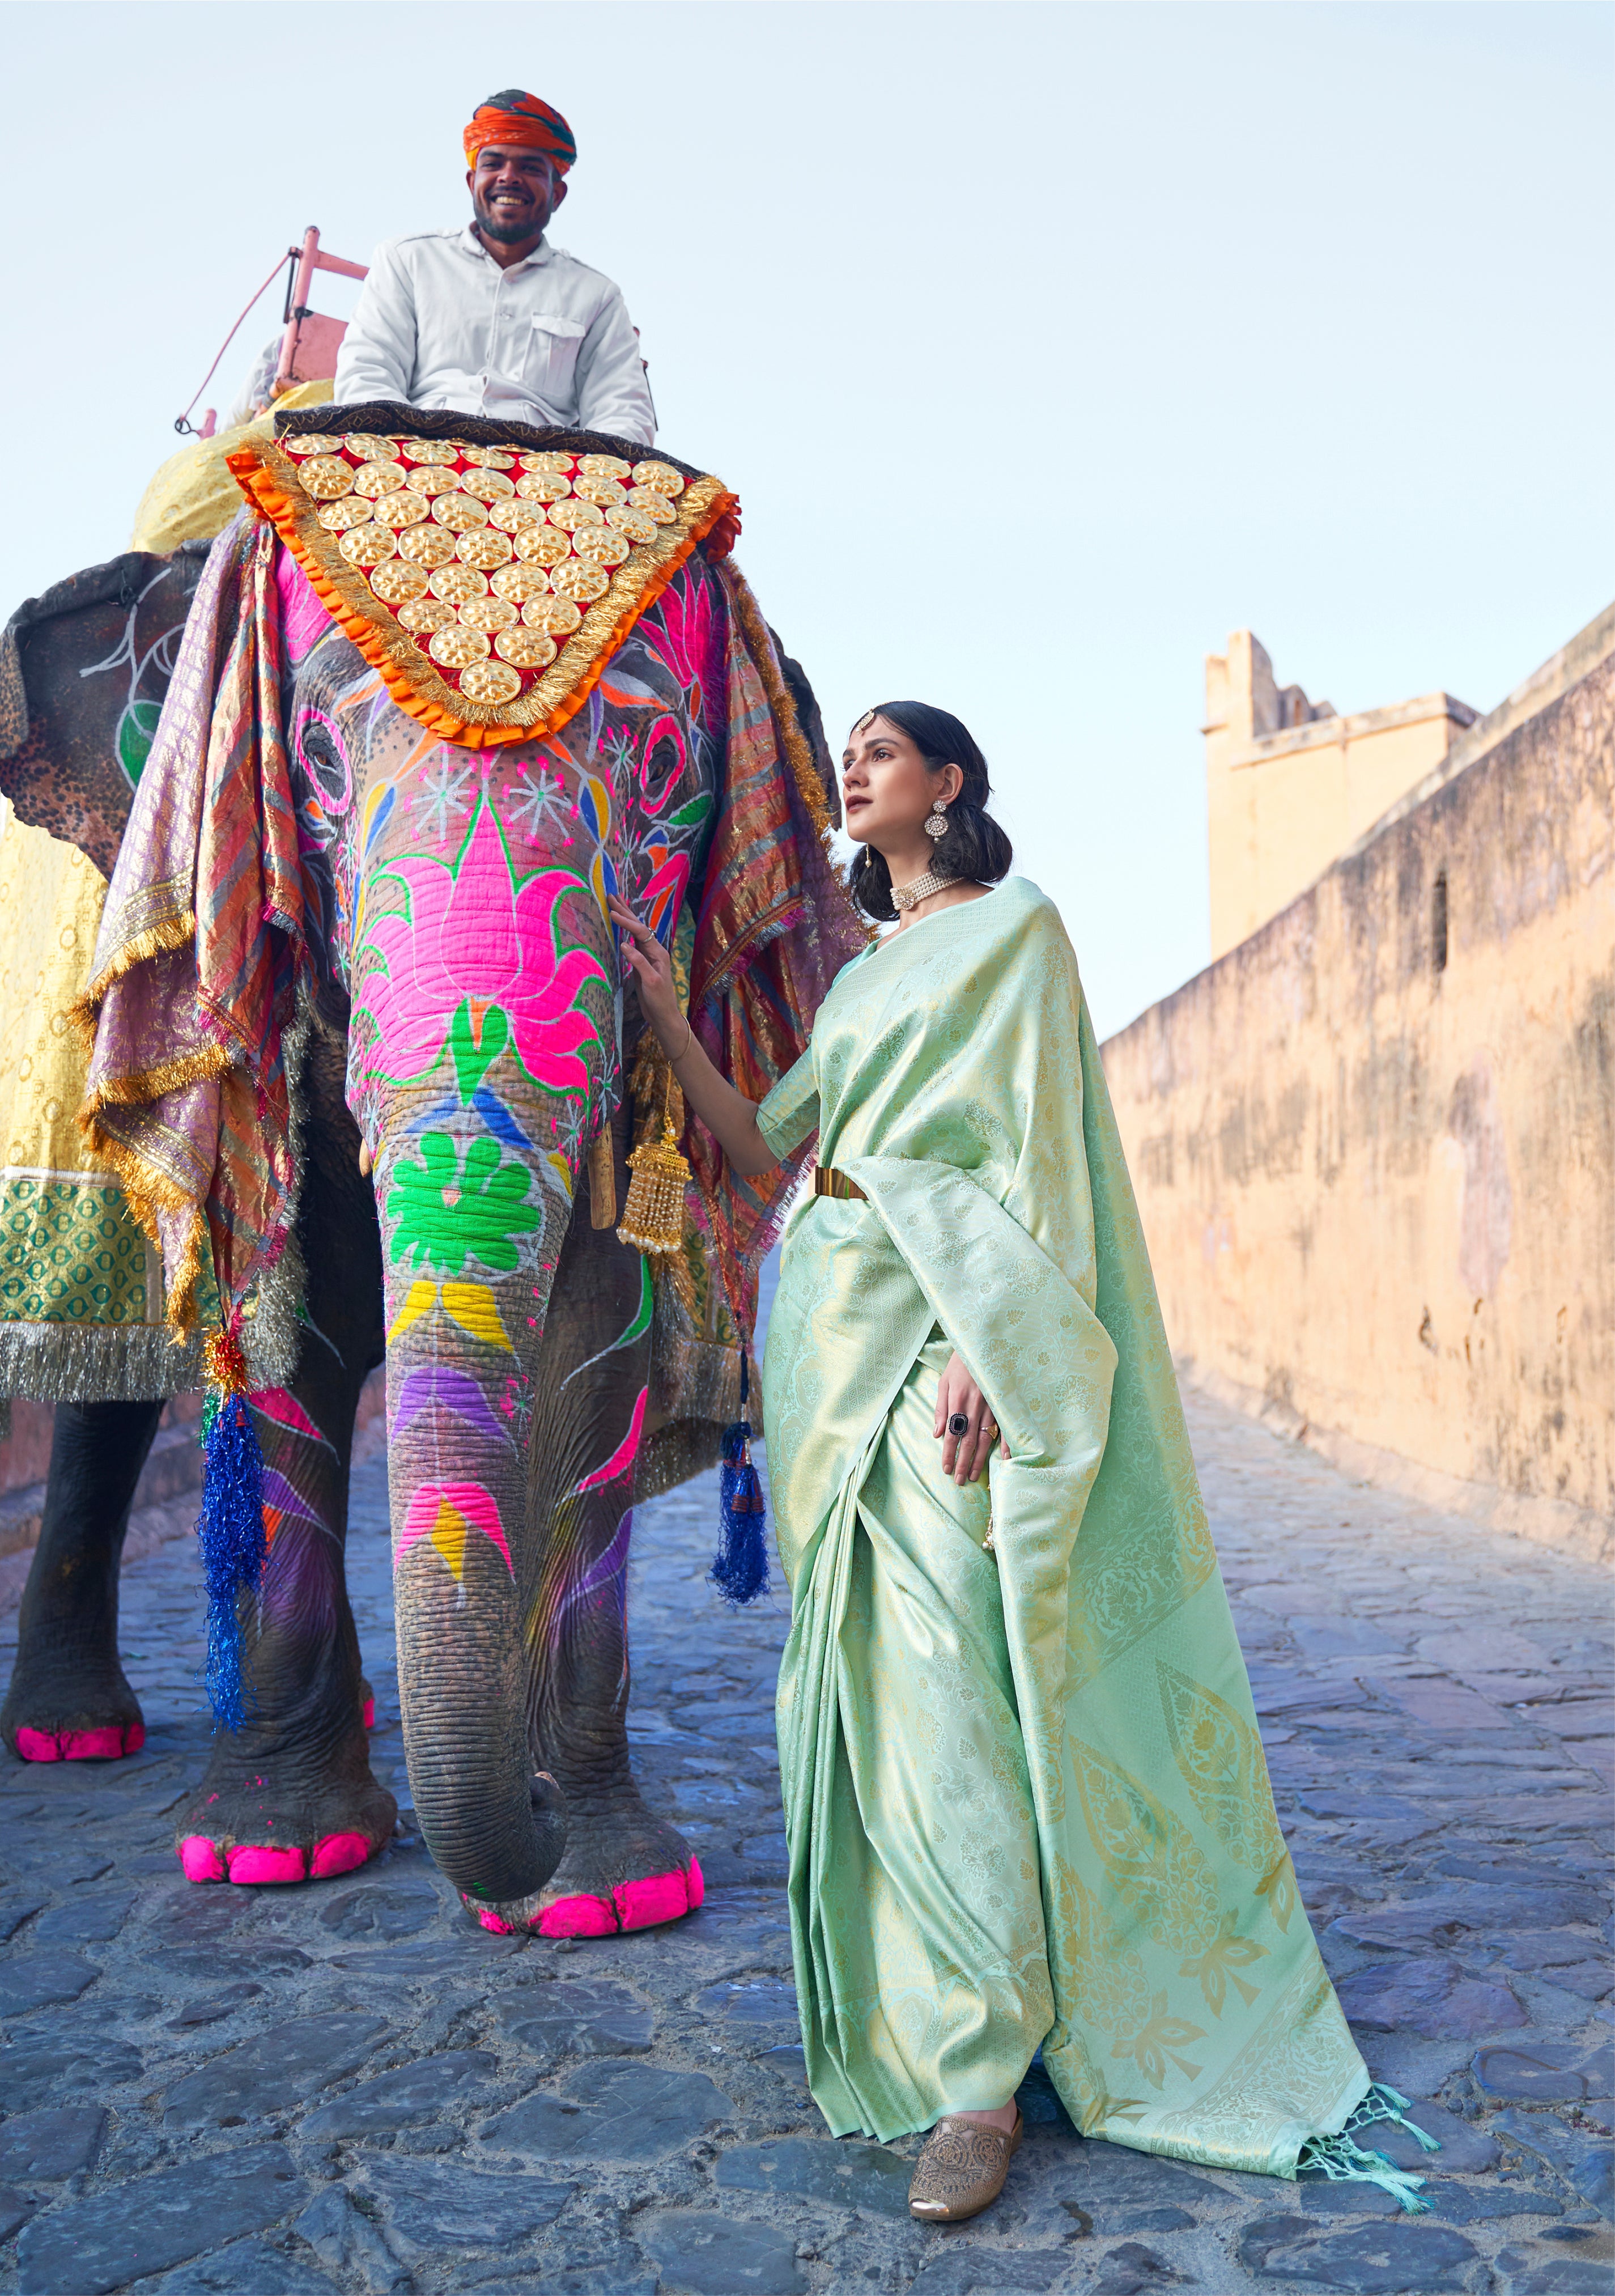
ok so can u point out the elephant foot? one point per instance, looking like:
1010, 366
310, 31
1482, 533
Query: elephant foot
630, 1871
46, 1719
264, 1820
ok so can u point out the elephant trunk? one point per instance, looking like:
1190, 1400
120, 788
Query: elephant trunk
460, 1680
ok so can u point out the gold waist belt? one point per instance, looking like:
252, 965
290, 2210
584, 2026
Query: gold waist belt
828, 1182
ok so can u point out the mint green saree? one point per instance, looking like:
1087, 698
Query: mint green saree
1024, 1792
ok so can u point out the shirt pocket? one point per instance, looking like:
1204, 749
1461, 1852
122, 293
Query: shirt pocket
552, 360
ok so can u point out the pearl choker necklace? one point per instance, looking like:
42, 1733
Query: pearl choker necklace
905, 896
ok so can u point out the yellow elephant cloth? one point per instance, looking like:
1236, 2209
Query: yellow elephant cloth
1024, 1791
82, 1309
194, 496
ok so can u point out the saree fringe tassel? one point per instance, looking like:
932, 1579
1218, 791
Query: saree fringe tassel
1344, 2161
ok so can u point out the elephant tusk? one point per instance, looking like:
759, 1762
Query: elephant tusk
603, 1182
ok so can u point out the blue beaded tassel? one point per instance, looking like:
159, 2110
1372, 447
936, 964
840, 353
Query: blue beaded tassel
230, 1529
740, 1568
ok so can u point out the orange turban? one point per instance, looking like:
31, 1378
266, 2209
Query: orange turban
514, 117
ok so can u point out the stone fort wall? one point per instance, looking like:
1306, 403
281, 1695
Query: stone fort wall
1372, 1143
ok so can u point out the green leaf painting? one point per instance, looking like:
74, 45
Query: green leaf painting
445, 1213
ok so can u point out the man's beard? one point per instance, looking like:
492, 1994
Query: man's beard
508, 234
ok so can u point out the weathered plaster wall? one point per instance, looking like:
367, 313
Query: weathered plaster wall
1379, 1192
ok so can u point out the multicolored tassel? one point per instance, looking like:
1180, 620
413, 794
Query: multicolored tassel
740, 1568
230, 1529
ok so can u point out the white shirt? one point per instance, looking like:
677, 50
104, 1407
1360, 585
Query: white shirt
439, 323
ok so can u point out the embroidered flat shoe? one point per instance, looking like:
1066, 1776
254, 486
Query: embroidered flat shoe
960, 2169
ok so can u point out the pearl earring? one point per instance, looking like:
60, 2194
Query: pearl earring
935, 823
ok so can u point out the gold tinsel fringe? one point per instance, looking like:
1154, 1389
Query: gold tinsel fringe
150, 1084
157, 940
146, 1192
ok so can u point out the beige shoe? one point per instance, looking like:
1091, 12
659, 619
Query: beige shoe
960, 2169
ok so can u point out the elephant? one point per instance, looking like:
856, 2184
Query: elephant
462, 1036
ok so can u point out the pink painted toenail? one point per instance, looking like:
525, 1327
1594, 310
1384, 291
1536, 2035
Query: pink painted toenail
495, 1922
93, 1745
254, 1864
577, 1917
695, 1881
337, 1853
370, 1714
201, 1859
38, 1746
661, 1897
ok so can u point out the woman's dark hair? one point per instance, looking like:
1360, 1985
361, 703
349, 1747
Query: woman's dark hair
975, 847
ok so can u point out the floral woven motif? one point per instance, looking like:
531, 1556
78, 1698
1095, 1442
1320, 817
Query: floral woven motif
489, 584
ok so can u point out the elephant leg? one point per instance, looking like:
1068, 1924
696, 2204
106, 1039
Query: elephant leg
70, 1699
624, 1868
289, 1796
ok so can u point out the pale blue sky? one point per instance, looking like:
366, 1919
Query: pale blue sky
1043, 344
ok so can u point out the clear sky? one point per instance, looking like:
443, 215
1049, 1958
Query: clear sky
1044, 344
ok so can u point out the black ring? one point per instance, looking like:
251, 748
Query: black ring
958, 1424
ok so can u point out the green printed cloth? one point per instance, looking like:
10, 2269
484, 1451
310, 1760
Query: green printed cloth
1024, 1789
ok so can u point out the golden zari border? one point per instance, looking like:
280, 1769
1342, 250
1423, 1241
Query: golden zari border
267, 477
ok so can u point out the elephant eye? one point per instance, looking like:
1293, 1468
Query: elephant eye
321, 755
662, 761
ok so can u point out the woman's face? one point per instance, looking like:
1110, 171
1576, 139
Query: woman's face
887, 787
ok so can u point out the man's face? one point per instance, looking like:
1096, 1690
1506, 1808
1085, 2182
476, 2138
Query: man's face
514, 192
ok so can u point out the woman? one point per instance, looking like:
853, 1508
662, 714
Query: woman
1024, 1792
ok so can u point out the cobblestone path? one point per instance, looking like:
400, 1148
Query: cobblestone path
217, 2092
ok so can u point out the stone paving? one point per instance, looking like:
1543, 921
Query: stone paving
217, 2092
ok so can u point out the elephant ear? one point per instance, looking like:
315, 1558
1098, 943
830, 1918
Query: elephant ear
83, 670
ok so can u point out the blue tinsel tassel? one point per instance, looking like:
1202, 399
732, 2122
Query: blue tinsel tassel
231, 1533
740, 1568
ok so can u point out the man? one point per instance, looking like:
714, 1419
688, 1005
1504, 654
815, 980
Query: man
492, 319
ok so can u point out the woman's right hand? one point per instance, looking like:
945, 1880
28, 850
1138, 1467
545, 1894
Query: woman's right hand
652, 969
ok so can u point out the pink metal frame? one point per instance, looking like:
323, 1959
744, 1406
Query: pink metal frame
310, 346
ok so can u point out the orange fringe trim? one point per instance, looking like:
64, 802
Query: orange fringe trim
264, 475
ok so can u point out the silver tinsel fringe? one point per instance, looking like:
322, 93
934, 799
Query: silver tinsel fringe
101, 1363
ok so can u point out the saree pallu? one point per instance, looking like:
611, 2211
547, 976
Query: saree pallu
1024, 1791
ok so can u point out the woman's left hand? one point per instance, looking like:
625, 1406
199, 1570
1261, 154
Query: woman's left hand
965, 1455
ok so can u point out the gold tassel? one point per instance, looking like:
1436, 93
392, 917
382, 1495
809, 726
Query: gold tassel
653, 1216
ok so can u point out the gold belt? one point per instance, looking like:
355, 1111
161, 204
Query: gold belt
828, 1182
